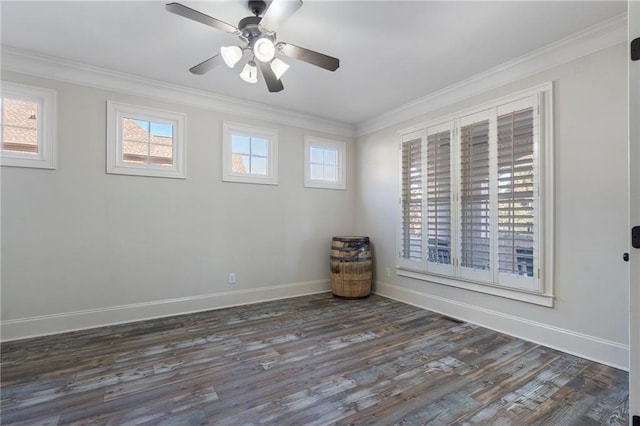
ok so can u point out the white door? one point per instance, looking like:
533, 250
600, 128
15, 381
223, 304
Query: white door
634, 202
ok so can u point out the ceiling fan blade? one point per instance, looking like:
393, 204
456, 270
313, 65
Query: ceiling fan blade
273, 84
278, 12
318, 59
206, 65
187, 12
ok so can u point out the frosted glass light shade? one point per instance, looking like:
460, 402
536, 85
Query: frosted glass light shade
278, 67
250, 73
231, 55
264, 50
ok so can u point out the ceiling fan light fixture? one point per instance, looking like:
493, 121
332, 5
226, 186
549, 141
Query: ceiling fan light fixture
258, 36
250, 73
231, 55
279, 67
264, 49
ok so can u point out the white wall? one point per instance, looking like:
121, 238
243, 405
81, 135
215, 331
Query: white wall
82, 248
590, 316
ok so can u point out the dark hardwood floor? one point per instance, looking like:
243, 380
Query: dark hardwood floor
312, 360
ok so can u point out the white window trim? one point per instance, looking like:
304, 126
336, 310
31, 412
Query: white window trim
228, 129
340, 147
544, 150
116, 111
47, 146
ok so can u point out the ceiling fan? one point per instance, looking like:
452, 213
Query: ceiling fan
258, 32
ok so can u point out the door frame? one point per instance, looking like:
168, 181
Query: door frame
633, 19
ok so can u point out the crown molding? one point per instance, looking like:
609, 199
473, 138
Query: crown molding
606, 34
50, 67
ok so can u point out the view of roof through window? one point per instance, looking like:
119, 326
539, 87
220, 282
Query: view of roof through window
147, 142
19, 126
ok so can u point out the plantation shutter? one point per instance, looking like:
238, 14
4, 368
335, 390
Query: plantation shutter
475, 206
411, 200
438, 198
471, 212
517, 201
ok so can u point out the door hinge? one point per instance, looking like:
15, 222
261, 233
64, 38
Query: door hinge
635, 49
635, 237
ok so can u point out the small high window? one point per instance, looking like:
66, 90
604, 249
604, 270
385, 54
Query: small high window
324, 163
145, 142
249, 154
27, 126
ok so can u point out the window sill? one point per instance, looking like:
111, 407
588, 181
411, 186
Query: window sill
266, 180
522, 296
146, 171
324, 184
32, 163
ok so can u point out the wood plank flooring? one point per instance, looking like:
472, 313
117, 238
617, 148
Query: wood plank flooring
313, 360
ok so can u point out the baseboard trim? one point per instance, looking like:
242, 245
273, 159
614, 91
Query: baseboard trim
590, 347
44, 325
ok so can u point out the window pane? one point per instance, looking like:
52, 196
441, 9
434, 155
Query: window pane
162, 130
259, 147
135, 152
24, 141
474, 196
330, 157
330, 173
316, 171
240, 144
19, 113
316, 155
135, 130
19, 126
258, 165
161, 154
246, 164
238, 164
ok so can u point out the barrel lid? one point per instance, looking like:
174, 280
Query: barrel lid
351, 238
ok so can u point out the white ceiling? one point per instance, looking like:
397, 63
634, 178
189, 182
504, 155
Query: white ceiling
390, 52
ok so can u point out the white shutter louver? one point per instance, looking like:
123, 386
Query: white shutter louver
475, 224
516, 193
411, 222
439, 197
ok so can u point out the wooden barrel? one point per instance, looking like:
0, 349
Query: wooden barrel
351, 267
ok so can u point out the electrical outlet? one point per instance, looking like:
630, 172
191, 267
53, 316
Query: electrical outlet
387, 272
232, 278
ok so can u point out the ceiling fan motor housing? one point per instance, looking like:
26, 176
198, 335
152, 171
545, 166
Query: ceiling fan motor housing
252, 32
